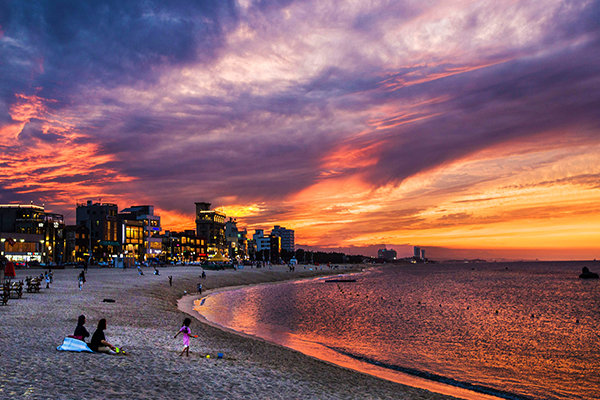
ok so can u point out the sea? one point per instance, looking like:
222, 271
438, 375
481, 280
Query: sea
519, 330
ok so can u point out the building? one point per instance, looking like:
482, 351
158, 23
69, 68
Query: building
77, 243
261, 241
417, 252
236, 241
269, 245
274, 248
131, 236
29, 233
287, 237
183, 246
101, 220
251, 249
386, 254
211, 225
151, 248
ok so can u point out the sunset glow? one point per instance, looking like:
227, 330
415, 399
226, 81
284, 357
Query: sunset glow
455, 124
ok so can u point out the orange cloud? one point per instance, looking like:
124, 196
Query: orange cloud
62, 168
28, 107
175, 221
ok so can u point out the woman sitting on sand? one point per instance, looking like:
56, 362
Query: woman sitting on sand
80, 332
99, 342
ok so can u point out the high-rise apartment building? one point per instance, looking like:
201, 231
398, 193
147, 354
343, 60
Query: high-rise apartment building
211, 225
417, 252
101, 220
287, 237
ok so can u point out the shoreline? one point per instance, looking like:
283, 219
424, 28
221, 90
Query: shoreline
143, 320
188, 305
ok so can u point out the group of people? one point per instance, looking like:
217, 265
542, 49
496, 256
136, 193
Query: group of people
101, 345
48, 277
98, 343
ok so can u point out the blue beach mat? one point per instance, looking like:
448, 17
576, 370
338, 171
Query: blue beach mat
70, 344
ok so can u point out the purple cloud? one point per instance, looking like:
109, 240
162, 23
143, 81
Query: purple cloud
222, 101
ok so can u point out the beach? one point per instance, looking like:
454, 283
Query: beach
142, 320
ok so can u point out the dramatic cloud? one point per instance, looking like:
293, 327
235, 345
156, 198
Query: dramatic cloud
354, 123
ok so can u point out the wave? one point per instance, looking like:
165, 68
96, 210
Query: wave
434, 377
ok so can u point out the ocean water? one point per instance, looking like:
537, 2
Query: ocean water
511, 330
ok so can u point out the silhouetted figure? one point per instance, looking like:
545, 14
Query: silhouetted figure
586, 274
170, 280
99, 342
80, 332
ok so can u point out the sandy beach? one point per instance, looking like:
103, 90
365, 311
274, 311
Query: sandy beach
143, 320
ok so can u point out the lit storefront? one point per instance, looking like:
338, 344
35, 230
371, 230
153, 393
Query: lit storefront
28, 233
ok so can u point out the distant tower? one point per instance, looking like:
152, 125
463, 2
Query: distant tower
417, 252
423, 254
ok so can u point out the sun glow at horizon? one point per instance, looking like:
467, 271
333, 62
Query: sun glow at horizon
448, 124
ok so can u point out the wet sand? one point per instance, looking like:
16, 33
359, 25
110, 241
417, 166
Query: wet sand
143, 320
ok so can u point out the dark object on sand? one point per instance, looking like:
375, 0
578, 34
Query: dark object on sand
340, 280
586, 274
108, 301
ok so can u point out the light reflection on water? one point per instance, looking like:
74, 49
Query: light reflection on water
524, 328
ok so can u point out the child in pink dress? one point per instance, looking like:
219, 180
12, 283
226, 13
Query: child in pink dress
187, 332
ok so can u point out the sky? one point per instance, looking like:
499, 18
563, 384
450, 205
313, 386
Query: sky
470, 126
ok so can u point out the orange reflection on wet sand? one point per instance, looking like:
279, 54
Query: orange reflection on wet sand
243, 321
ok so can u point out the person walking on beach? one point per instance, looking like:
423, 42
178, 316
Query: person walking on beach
170, 280
187, 332
81, 279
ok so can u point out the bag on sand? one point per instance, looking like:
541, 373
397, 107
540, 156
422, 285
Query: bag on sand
71, 344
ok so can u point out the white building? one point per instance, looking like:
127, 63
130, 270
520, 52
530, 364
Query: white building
287, 237
262, 242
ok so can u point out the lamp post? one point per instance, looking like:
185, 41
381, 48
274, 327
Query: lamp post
42, 227
90, 238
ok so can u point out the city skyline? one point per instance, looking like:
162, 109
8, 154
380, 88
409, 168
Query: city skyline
471, 125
